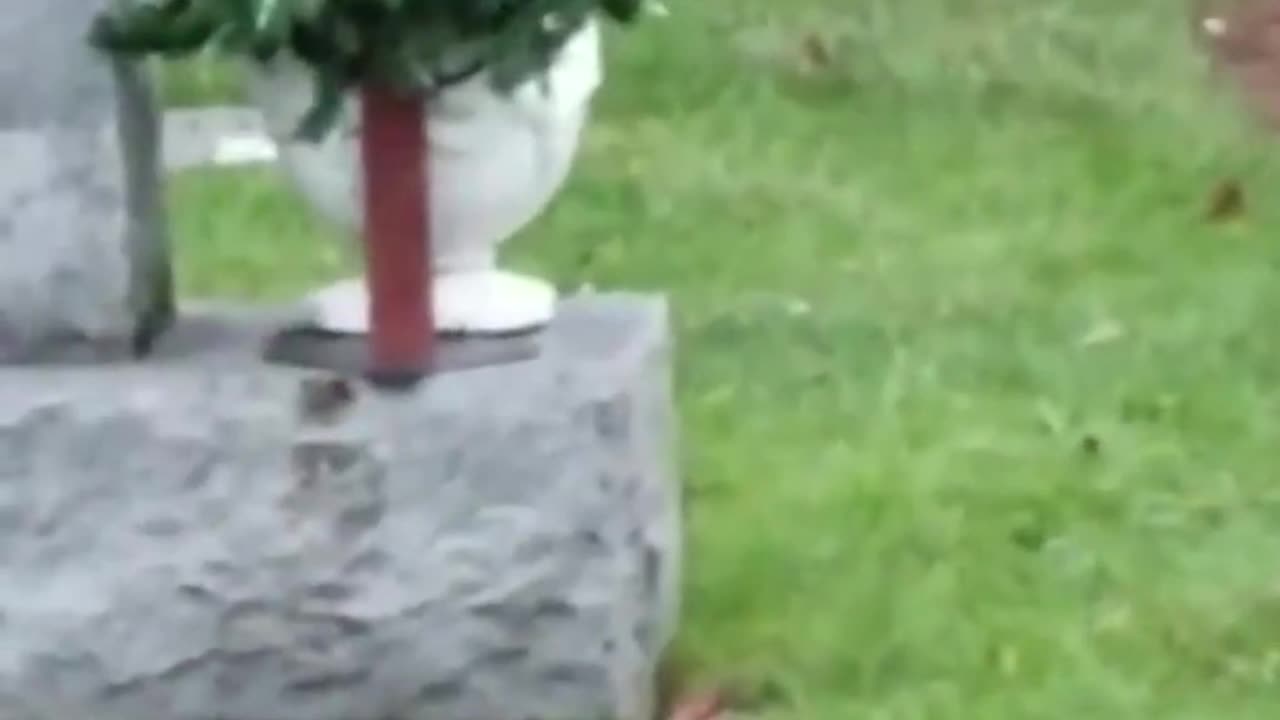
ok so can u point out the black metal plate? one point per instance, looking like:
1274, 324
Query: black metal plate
318, 349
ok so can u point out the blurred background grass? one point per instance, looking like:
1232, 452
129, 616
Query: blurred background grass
980, 410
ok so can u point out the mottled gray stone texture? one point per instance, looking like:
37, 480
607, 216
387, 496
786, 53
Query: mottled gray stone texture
201, 537
85, 271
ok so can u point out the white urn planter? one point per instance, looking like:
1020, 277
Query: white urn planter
495, 162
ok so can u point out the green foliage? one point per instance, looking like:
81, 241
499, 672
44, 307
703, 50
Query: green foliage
409, 45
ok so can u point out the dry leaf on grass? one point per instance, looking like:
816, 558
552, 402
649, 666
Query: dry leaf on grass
700, 706
817, 51
1226, 201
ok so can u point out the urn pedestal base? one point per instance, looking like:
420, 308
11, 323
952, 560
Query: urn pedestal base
205, 536
481, 302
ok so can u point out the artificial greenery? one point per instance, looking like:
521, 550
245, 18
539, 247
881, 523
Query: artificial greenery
407, 45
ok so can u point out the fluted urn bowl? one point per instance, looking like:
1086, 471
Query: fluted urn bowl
495, 161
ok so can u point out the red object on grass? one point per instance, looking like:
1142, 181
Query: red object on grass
703, 706
397, 243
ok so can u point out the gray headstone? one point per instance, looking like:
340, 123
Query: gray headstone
198, 536
84, 268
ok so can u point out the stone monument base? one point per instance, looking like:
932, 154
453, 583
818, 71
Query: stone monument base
203, 536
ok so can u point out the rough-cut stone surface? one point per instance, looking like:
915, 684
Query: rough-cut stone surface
201, 537
85, 272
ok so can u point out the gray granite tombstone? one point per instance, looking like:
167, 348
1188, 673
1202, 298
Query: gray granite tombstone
199, 534
84, 271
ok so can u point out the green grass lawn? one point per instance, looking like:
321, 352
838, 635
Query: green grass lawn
980, 413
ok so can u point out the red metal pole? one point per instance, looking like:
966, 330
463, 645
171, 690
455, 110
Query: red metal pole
398, 263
